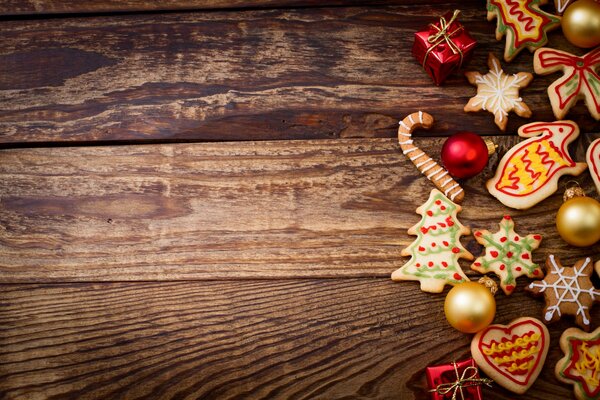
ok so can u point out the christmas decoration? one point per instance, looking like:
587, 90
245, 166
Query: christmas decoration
581, 364
435, 252
525, 25
581, 23
498, 92
443, 47
579, 81
529, 171
465, 154
425, 164
512, 355
561, 5
567, 291
507, 254
458, 380
592, 157
470, 307
578, 218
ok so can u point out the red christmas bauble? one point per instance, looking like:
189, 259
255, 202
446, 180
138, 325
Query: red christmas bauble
464, 154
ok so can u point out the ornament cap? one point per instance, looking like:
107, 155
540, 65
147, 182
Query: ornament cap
491, 146
573, 191
490, 284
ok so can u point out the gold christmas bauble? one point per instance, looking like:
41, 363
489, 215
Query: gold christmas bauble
578, 221
581, 23
470, 307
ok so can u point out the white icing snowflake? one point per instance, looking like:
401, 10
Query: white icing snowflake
498, 92
566, 289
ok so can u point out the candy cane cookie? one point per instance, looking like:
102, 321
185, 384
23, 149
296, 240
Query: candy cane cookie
428, 167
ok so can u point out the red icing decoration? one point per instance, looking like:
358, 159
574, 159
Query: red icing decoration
503, 239
457, 277
525, 256
510, 288
455, 250
444, 264
509, 254
421, 248
575, 343
430, 213
494, 253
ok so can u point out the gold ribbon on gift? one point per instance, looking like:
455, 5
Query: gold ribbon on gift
442, 35
462, 381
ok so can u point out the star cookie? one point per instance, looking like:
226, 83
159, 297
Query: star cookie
580, 79
435, 252
498, 92
567, 291
581, 364
525, 25
507, 254
561, 5
592, 157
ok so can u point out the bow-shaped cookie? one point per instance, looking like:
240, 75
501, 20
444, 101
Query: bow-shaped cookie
579, 81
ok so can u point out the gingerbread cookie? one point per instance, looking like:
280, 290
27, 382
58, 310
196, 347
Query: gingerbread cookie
435, 252
581, 364
567, 291
425, 164
592, 157
579, 81
529, 171
498, 92
507, 254
512, 355
525, 25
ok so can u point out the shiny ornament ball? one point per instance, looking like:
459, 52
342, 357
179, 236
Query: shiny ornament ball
578, 221
581, 23
464, 154
470, 307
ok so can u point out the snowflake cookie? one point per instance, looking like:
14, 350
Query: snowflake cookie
581, 364
498, 92
580, 79
525, 25
507, 254
567, 291
435, 252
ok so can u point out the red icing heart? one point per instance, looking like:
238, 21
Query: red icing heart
523, 344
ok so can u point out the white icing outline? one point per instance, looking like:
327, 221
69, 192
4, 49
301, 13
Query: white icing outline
569, 286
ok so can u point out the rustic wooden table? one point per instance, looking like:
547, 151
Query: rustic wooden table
204, 199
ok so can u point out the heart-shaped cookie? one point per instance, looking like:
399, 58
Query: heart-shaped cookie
512, 355
592, 157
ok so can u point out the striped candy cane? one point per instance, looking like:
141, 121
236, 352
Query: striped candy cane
428, 167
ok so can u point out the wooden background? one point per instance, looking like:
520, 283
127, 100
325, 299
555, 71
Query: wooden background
205, 200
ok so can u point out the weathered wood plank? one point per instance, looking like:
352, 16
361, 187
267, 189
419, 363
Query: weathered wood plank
276, 74
230, 210
33, 7
281, 339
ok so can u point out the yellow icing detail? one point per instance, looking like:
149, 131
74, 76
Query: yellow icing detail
521, 341
523, 367
531, 170
511, 17
589, 365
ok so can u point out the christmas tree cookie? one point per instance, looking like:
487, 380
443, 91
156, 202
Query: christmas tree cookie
523, 22
507, 254
435, 252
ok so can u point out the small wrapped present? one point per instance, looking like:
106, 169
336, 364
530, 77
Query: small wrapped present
443, 47
457, 381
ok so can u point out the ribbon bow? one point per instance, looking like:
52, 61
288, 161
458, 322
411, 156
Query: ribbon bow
579, 79
443, 35
462, 381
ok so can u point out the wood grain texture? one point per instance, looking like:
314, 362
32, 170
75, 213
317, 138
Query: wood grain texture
37, 7
336, 208
282, 339
270, 74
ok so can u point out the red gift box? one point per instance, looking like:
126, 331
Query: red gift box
443, 47
459, 379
